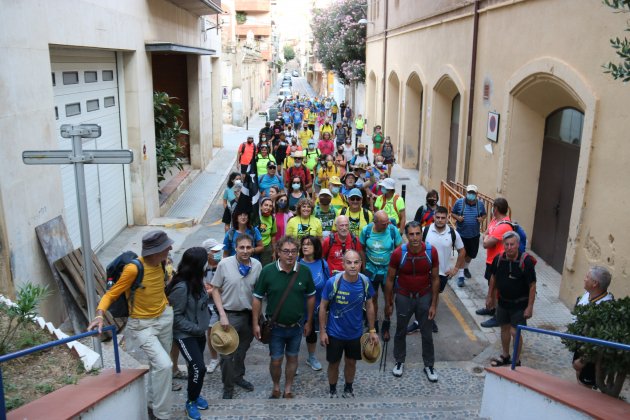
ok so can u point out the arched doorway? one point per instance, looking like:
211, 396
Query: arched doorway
453, 139
392, 110
556, 184
412, 122
371, 101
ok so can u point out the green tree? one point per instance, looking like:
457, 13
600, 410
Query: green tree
606, 321
341, 39
168, 130
620, 70
289, 52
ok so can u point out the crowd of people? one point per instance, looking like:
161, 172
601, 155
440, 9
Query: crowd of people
314, 228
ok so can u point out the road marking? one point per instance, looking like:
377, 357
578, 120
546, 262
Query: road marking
459, 317
218, 222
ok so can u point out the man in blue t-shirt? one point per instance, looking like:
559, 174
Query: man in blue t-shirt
341, 320
379, 239
269, 179
469, 213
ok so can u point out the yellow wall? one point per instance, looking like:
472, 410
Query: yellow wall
537, 56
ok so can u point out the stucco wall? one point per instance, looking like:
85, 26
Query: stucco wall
31, 195
536, 57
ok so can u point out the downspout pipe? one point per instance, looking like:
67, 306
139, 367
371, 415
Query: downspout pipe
471, 98
384, 65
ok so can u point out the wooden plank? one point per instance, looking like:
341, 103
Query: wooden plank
55, 242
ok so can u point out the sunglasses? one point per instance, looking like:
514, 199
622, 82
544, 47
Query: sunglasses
355, 198
271, 167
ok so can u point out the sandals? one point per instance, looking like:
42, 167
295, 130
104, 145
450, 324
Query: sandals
287, 395
180, 374
501, 361
274, 395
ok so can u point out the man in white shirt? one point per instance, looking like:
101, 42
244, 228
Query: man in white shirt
445, 240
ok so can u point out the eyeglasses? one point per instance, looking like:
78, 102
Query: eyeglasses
355, 198
289, 251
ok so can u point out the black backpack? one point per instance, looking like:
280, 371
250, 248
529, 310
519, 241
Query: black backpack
120, 307
425, 232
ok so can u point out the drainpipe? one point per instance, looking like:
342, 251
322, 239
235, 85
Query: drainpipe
471, 99
384, 65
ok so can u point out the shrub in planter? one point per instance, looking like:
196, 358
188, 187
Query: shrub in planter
168, 129
606, 321
241, 18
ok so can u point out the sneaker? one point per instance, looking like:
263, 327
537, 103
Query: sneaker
334, 394
212, 366
202, 404
246, 385
176, 386
460, 282
192, 412
414, 327
484, 311
431, 375
398, 369
314, 363
490, 323
467, 273
347, 393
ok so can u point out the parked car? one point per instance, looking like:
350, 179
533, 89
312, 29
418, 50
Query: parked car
295, 73
287, 83
284, 93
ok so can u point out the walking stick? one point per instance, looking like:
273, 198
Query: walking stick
383, 363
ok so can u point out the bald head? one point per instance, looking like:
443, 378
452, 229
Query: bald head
342, 223
381, 220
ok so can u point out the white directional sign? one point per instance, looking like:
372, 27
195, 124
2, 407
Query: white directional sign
64, 157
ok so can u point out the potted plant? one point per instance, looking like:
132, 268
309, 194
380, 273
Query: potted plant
168, 130
241, 17
606, 321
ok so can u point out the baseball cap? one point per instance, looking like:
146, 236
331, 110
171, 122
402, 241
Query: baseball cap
324, 191
334, 180
355, 192
472, 187
212, 244
388, 183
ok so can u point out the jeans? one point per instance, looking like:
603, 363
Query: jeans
233, 365
155, 337
191, 348
405, 308
285, 340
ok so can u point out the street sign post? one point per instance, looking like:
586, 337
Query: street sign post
79, 157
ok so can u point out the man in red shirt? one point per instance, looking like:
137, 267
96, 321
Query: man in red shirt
337, 243
493, 243
298, 170
246, 153
413, 275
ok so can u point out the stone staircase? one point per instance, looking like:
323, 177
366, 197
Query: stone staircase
457, 395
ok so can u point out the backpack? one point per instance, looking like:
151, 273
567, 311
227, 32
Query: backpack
366, 215
425, 232
464, 207
521, 263
336, 287
404, 249
384, 202
120, 307
521, 233
392, 231
331, 241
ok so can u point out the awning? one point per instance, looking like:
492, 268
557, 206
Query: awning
200, 7
168, 47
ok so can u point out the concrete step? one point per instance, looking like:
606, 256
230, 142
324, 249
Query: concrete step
365, 407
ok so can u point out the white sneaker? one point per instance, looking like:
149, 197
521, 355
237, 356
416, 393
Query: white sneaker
398, 369
212, 366
431, 375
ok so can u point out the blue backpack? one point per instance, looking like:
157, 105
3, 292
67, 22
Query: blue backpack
520, 231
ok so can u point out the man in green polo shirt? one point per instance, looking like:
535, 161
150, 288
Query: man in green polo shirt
286, 334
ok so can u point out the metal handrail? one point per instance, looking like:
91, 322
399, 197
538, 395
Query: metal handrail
26, 352
597, 341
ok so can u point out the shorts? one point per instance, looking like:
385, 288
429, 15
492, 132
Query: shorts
512, 316
227, 216
376, 280
214, 315
337, 348
312, 337
488, 272
376, 151
471, 245
359, 132
443, 282
285, 341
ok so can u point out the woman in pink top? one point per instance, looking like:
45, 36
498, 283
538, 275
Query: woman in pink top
326, 145
282, 213
320, 119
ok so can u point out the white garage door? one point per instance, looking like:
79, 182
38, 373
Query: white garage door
85, 86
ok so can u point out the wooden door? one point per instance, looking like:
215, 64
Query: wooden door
451, 169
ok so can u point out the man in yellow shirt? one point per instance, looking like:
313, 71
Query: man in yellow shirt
392, 203
305, 135
150, 323
357, 215
338, 201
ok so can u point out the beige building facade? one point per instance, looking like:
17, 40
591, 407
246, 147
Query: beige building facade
85, 61
560, 155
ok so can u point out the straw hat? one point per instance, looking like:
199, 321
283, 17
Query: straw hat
224, 342
369, 352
